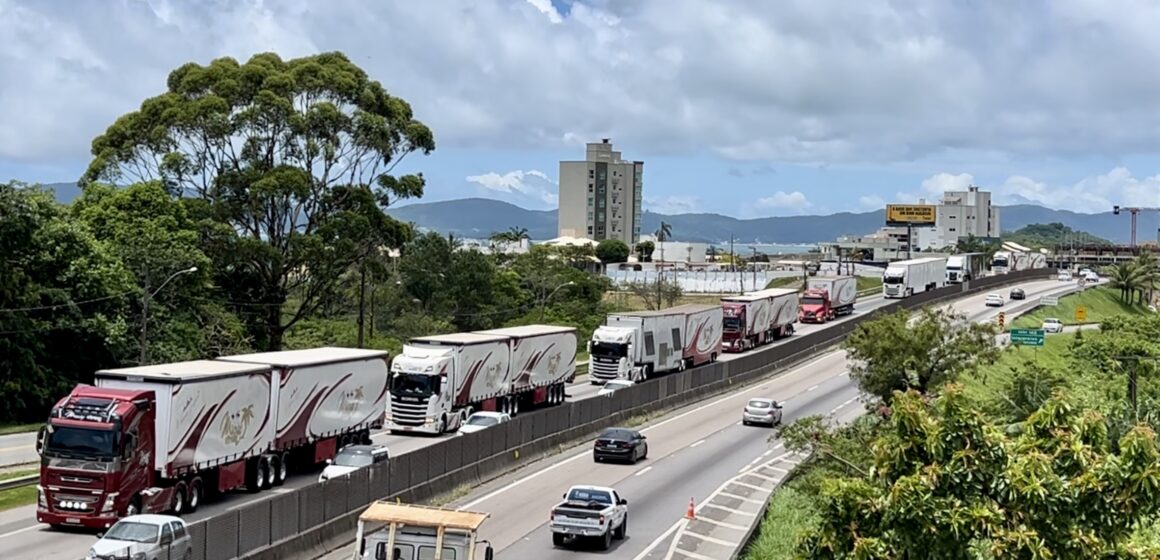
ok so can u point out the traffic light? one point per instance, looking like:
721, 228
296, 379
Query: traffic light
1002, 319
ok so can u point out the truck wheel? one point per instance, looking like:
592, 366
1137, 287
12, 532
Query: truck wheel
442, 427
515, 405
254, 475
606, 540
713, 357
134, 506
622, 530
179, 499
281, 467
195, 495
557, 539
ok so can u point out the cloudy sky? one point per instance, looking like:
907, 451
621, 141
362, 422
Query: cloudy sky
743, 107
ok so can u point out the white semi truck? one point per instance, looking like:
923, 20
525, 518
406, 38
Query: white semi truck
438, 381
965, 267
639, 344
411, 532
1015, 261
905, 278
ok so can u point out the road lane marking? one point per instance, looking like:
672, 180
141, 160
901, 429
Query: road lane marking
707, 538
648, 549
18, 531
811, 388
767, 452
742, 498
695, 444
644, 470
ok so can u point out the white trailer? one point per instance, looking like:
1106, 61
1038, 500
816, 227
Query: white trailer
965, 267
745, 321
906, 278
640, 344
543, 362
330, 397
1015, 261
842, 290
702, 333
783, 310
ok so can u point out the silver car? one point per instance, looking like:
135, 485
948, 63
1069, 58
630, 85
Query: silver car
761, 411
144, 536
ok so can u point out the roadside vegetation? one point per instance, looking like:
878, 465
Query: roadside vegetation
1037, 430
17, 497
1099, 304
865, 283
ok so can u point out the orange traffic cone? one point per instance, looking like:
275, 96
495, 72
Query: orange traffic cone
691, 512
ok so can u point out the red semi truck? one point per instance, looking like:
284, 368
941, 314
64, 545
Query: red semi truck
827, 298
757, 318
161, 438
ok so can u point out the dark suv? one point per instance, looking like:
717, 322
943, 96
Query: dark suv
621, 444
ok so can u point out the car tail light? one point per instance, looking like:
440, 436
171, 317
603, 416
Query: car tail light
602, 520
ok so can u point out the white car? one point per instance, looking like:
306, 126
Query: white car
353, 458
615, 385
1052, 325
1092, 277
1064, 276
144, 536
482, 420
994, 300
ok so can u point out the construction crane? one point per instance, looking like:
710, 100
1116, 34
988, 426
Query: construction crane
1133, 210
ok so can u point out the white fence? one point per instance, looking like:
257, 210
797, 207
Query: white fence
701, 281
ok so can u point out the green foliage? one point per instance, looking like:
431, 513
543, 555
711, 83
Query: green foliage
1099, 303
644, 250
63, 301
291, 161
656, 295
893, 353
948, 483
1137, 280
790, 513
1055, 234
612, 251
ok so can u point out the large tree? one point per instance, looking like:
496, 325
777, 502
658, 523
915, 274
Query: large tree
63, 297
295, 156
893, 352
946, 483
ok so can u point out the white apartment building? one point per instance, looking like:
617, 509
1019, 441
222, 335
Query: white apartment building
965, 213
600, 197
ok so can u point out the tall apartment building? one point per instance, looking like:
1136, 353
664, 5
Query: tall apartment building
600, 197
965, 213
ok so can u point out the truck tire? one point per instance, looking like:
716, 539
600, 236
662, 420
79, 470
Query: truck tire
281, 469
196, 493
180, 500
254, 475
557, 539
622, 530
606, 540
134, 506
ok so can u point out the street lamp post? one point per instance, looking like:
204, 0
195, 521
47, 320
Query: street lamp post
544, 302
146, 297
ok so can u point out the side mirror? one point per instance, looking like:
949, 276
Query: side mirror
101, 535
643, 437
565, 496
622, 502
40, 437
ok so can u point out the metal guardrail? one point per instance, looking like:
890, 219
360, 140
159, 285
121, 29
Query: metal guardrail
19, 482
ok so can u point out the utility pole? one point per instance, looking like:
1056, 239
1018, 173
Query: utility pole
753, 263
146, 297
1133, 211
362, 291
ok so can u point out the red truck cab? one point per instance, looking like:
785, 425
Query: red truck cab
815, 307
97, 459
734, 331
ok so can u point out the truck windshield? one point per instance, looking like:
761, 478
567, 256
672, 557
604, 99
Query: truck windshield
609, 350
78, 443
892, 279
999, 261
732, 323
813, 300
413, 384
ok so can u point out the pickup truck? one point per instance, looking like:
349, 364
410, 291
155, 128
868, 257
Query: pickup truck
590, 512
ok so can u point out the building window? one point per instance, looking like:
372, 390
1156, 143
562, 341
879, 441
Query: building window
590, 186
589, 230
591, 173
952, 229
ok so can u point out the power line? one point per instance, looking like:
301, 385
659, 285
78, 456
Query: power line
63, 305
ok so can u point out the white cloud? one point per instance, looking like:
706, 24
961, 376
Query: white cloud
524, 188
1092, 194
871, 202
786, 203
836, 82
673, 204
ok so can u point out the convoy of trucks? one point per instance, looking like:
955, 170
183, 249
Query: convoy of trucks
161, 437
965, 267
414, 532
826, 298
757, 318
905, 278
639, 344
438, 381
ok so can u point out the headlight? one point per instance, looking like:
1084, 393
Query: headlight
110, 502
41, 500
91, 555
138, 556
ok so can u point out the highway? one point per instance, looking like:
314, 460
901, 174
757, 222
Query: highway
22, 538
691, 452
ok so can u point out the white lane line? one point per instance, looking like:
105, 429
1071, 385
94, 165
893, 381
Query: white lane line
811, 388
767, 452
706, 538
696, 443
778, 446
642, 471
18, 531
676, 526
687, 554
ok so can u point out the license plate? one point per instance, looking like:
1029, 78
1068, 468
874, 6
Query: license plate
408, 429
72, 520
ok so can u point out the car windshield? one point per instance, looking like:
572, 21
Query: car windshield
477, 420
133, 531
79, 443
1052, 321
586, 495
759, 404
353, 459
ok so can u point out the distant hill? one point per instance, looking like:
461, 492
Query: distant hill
476, 217
480, 217
1049, 235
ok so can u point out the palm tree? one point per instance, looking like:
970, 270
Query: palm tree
512, 235
1128, 278
665, 232
1149, 269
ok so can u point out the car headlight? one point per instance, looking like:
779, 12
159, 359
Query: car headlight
91, 555
138, 556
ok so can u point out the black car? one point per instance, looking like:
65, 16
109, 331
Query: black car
1018, 293
621, 444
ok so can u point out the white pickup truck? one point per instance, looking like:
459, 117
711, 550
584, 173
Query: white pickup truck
590, 512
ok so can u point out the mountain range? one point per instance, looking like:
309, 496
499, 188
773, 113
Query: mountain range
480, 217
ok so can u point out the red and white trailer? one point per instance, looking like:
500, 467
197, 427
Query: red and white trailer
438, 381
757, 318
637, 345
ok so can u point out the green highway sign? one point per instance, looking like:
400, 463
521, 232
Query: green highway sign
1027, 337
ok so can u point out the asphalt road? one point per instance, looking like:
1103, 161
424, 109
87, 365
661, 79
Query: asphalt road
691, 452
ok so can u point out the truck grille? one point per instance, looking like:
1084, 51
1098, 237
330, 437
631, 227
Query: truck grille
600, 368
72, 503
409, 411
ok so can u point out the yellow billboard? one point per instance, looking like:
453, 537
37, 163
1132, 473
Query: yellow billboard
910, 214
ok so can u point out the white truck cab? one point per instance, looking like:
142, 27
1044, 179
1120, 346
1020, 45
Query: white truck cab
414, 532
611, 354
420, 399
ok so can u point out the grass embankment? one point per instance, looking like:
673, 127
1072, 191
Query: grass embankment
1100, 304
624, 301
7, 429
790, 512
987, 384
865, 283
17, 497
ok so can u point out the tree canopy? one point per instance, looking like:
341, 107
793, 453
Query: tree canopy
612, 251
295, 156
1052, 235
